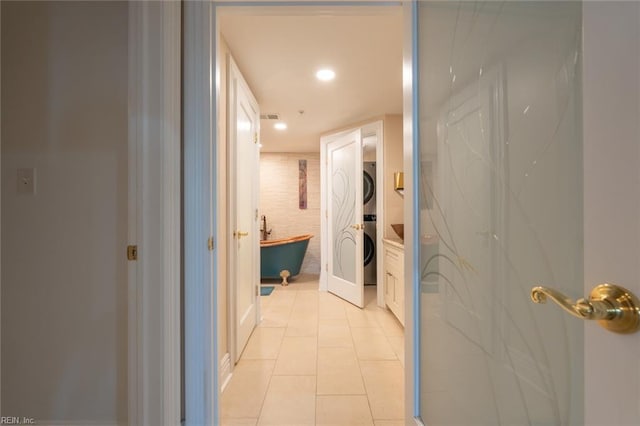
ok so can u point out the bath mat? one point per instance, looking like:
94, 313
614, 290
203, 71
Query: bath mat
266, 290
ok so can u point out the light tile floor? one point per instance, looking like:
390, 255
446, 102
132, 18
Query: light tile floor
318, 360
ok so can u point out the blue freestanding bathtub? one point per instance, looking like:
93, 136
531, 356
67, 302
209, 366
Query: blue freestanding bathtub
285, 254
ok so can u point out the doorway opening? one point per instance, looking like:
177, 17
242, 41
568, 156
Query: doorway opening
306, 341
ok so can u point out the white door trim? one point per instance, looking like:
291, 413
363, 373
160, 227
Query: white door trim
411, 144
200, 115
380, 216
154, 213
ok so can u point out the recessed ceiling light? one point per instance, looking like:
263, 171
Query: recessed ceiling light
325, 74
280, 126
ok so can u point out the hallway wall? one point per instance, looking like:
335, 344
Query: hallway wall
393, 162
279, 200
64, 270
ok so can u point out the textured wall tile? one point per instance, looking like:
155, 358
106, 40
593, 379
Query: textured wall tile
279, 200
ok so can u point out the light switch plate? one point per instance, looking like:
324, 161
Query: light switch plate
27, 181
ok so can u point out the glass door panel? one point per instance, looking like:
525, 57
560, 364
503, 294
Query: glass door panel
345, 230
343, 211
501, 211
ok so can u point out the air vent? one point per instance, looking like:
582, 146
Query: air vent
270, 116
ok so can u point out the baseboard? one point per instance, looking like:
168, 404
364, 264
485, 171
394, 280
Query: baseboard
225, 371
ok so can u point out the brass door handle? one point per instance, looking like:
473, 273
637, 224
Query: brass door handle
240, 234
614, 307
358, 226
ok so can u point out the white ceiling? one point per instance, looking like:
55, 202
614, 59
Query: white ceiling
279, 55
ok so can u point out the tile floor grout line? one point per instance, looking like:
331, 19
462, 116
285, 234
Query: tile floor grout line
273, 370
377, 323
364, 383
315, 418
264, 398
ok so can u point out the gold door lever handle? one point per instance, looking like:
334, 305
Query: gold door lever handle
358, 226
240, 234
614, 307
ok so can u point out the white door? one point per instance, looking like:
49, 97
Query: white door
244, 166
535, 158
345, 228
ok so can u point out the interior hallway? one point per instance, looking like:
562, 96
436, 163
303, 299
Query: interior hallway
316, 359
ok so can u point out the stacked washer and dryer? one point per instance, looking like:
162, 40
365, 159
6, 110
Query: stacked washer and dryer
369, 219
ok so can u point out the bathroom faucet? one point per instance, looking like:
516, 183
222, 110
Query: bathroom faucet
263, 229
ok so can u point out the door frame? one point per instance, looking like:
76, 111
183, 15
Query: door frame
411, 165
154, 219
201, 118
201, 212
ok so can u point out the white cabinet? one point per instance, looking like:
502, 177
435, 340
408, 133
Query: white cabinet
394, 278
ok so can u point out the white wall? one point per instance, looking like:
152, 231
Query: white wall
64, 305
393, 201
279, 201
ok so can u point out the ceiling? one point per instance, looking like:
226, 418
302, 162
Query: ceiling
280, 54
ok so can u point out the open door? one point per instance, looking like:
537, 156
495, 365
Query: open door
345, 256
528, 193
244, 165
504, 204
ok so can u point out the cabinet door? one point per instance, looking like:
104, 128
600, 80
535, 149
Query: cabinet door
393, 271
389, 288
399, 291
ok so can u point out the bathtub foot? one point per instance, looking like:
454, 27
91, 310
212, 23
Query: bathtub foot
284, 274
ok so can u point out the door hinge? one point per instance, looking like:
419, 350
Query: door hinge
257, 290
255, 137
326, 267
210, 244
132, 252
